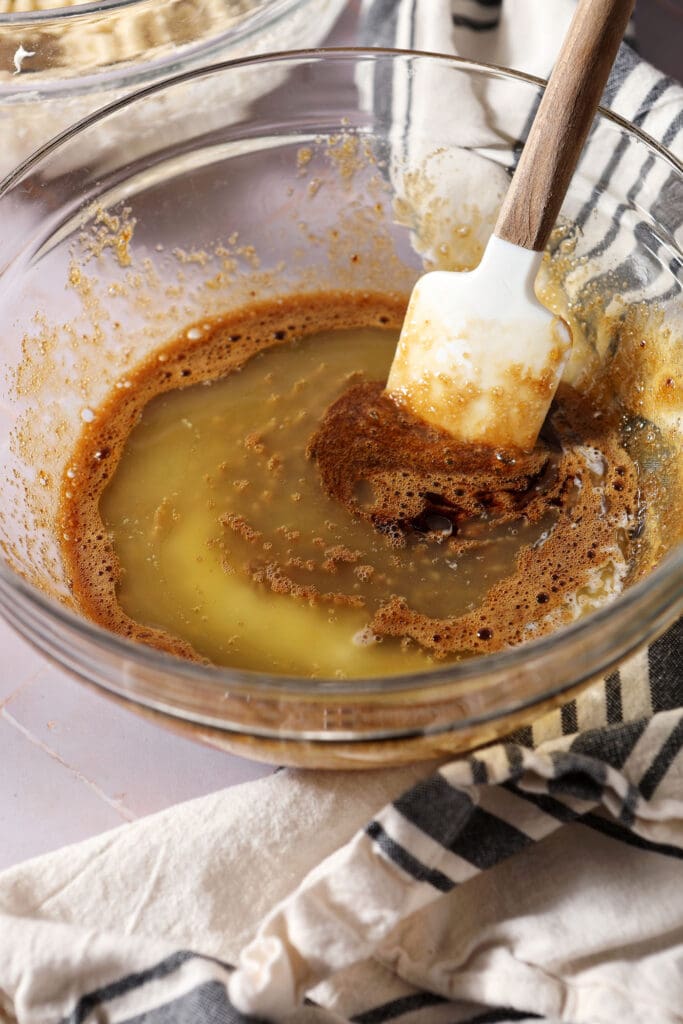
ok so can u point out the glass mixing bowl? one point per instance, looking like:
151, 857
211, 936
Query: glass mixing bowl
352, 169
60, 61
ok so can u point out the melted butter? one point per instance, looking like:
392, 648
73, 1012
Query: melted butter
214, 489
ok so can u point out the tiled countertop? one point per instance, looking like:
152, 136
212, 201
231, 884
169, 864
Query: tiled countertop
75, 764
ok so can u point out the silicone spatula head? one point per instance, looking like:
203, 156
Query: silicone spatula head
478, 354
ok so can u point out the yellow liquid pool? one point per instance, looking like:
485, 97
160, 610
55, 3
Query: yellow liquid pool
214, 489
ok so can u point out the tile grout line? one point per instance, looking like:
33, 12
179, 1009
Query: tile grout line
120, 809
4, 701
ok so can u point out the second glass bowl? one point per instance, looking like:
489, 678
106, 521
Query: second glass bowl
60, 62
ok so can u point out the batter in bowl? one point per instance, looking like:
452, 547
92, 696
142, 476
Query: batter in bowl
253, 499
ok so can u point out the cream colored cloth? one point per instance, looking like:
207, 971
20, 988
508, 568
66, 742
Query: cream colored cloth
199, 876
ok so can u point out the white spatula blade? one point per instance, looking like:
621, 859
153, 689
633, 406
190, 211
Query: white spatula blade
478, 354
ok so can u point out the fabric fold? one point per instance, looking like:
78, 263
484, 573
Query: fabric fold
440, 835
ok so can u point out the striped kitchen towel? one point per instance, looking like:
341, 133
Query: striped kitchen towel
538, 879
516, 884
525, 35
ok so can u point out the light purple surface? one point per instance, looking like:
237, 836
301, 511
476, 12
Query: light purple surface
75, 764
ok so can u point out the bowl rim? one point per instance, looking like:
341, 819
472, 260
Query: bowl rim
666, 582
661, 592
62, 15
8, 19
128, 72
283, 56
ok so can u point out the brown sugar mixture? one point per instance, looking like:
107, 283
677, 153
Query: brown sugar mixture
254, 499
410, 479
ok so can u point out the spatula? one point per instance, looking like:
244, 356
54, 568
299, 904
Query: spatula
478, 354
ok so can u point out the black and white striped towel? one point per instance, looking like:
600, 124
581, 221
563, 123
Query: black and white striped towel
539, 879
516, 884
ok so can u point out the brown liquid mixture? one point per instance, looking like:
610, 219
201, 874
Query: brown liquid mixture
254, 500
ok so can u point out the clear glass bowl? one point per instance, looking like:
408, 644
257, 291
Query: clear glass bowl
113, 237
62, 61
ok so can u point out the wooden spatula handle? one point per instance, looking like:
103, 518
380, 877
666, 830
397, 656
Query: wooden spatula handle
564, 117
